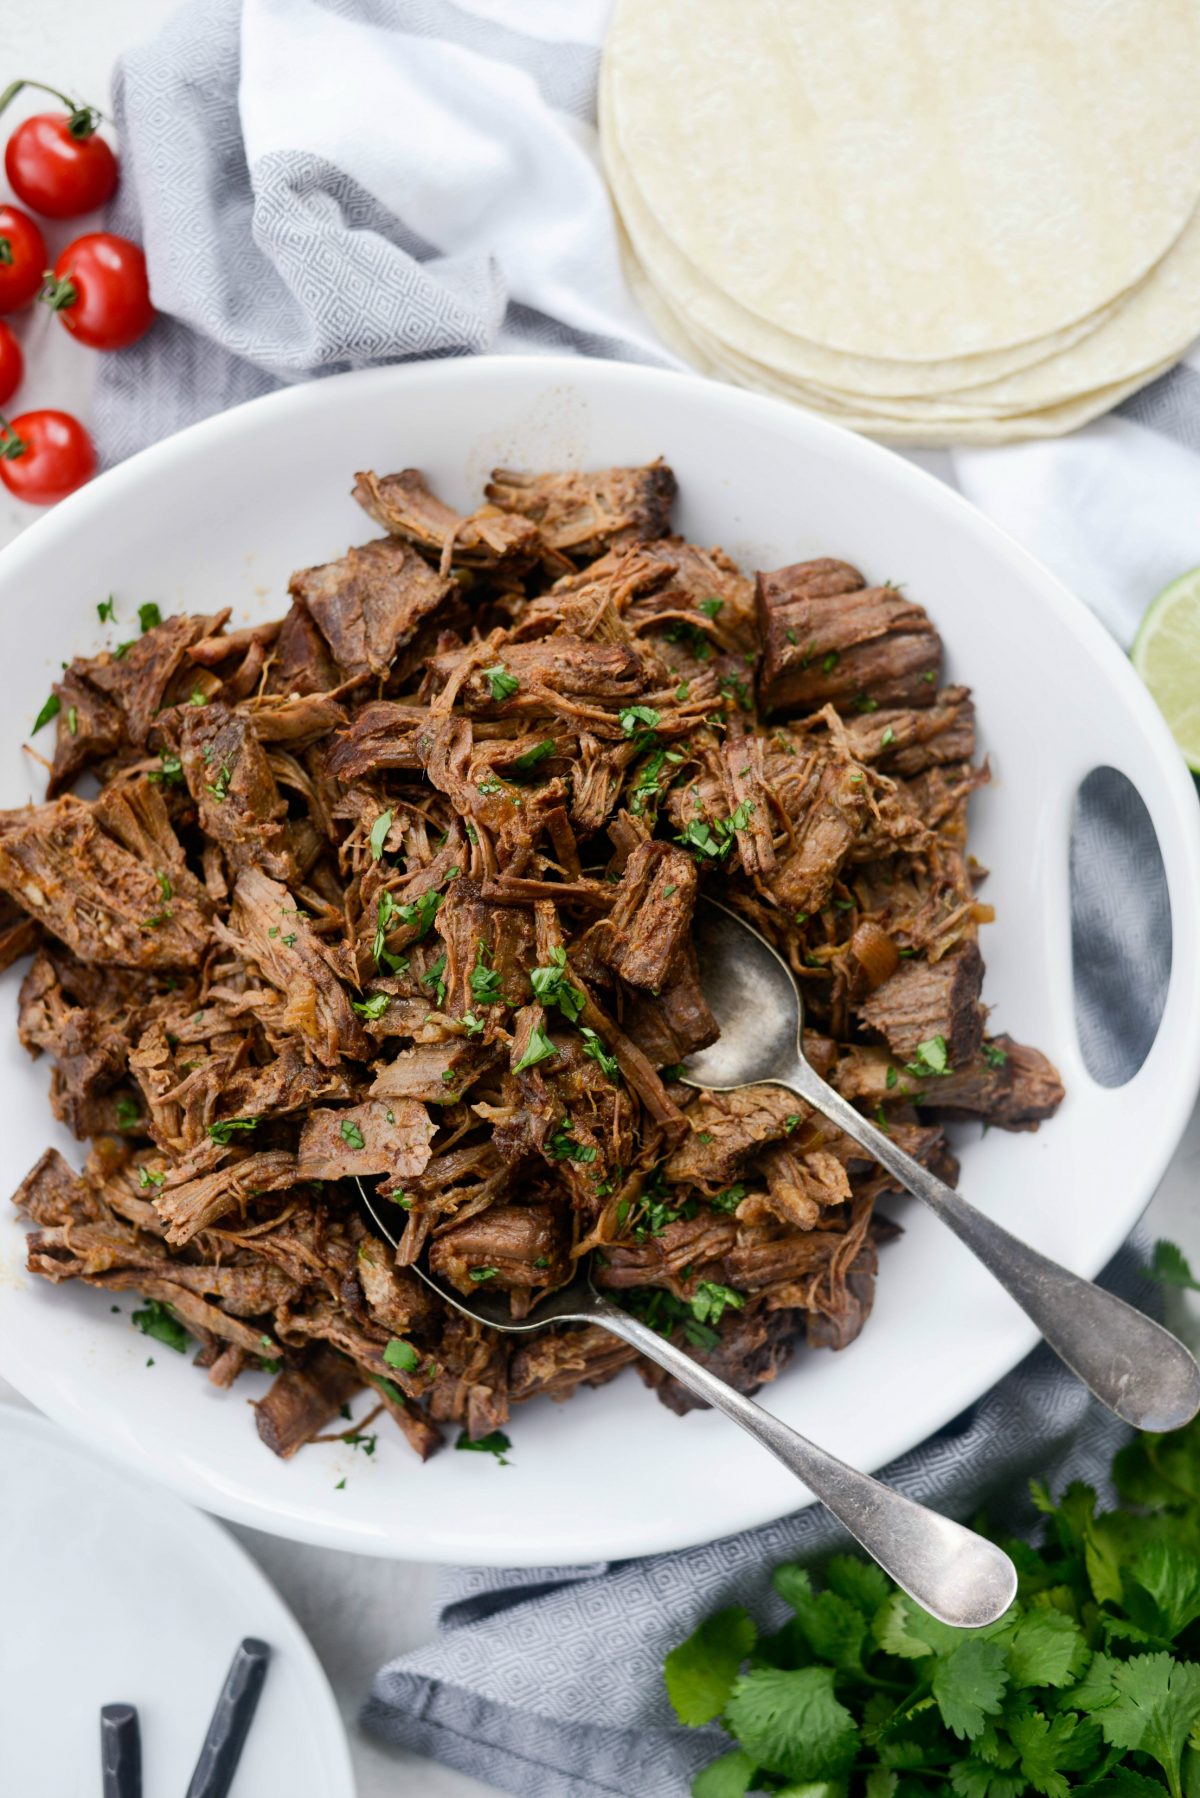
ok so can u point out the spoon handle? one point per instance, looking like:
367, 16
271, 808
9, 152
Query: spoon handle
1132, 1365
953, 1573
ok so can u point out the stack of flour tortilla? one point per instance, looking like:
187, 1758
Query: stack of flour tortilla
933, 220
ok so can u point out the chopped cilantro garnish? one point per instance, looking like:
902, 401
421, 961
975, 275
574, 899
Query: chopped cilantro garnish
379, 833
552, 986
148, 1176
480, 1274
374, 1007
402, 1356
888, 737
171, 769
562, 1146
484, 981
729, 1199
710, 1302
711, 607
539, 1048
421, 911
106, 611
225, 1128
532, 758
350, 1134
128, 1114
494, 1443
593, 1045
829, 662
51, 709
502, 684
73, 720
932, 1057
159, 1321
994, 1055
149, 616
433, 981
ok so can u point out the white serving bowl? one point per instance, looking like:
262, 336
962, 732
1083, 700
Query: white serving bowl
221, 515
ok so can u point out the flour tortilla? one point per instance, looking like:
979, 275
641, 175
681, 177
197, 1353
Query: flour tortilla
707, 307
1054, 421
913, 180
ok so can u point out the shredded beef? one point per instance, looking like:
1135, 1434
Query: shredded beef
400, 887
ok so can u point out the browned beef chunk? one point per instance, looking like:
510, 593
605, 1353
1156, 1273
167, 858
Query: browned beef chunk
651, 918
390, 1137
398, 1300
923, 1000
135, 813
141, 681
53, 1195
676, 1021
89, 728
403, 505
1011, 1086
828, 637
907, 742
304, 1398
230, 779
558, 1362
752, 1349
83, 887
523, 1243
726, 1129
691, 1249
301, 662
582, 514
18, 933
91, 1052
189, 1205
381, 736
432, 1072
296, 719
267, 927
472, 1387
801, 1186
826, 803
370, 604
561, 668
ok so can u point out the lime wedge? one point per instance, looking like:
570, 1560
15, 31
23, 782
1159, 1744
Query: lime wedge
1166, 653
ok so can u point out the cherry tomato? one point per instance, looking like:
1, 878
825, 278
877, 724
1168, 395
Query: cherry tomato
100, 291
12, 364
44, 456
22, 259
58, 164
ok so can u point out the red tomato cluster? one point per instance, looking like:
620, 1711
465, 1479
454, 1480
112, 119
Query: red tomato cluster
60, 167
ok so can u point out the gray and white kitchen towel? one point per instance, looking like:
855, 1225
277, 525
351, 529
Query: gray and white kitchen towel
328, 184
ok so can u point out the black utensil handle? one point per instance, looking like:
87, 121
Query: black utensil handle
120, 1751
231, 1721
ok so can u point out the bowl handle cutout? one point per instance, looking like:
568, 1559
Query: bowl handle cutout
1120, 927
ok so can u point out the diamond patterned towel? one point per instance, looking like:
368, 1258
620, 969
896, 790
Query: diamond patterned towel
326, 184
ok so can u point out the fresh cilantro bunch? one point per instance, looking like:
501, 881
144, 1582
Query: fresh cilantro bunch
1090, 1683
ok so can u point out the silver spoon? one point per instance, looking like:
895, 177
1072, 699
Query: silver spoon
952, 1572
1134, 1366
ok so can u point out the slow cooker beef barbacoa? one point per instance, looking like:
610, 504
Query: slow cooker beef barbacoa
401, 887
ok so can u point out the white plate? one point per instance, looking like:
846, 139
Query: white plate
115, 1592
221, 514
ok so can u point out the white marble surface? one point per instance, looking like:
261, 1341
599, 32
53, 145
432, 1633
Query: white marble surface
357, 1610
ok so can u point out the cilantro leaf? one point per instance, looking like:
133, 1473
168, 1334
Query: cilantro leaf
969, 1684
1169, 1264
730, 1777
494, 1443
1155, 1702
862, 1582
700, 1673
1051, 1748
379, 834
791, 1722
1044, 1649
